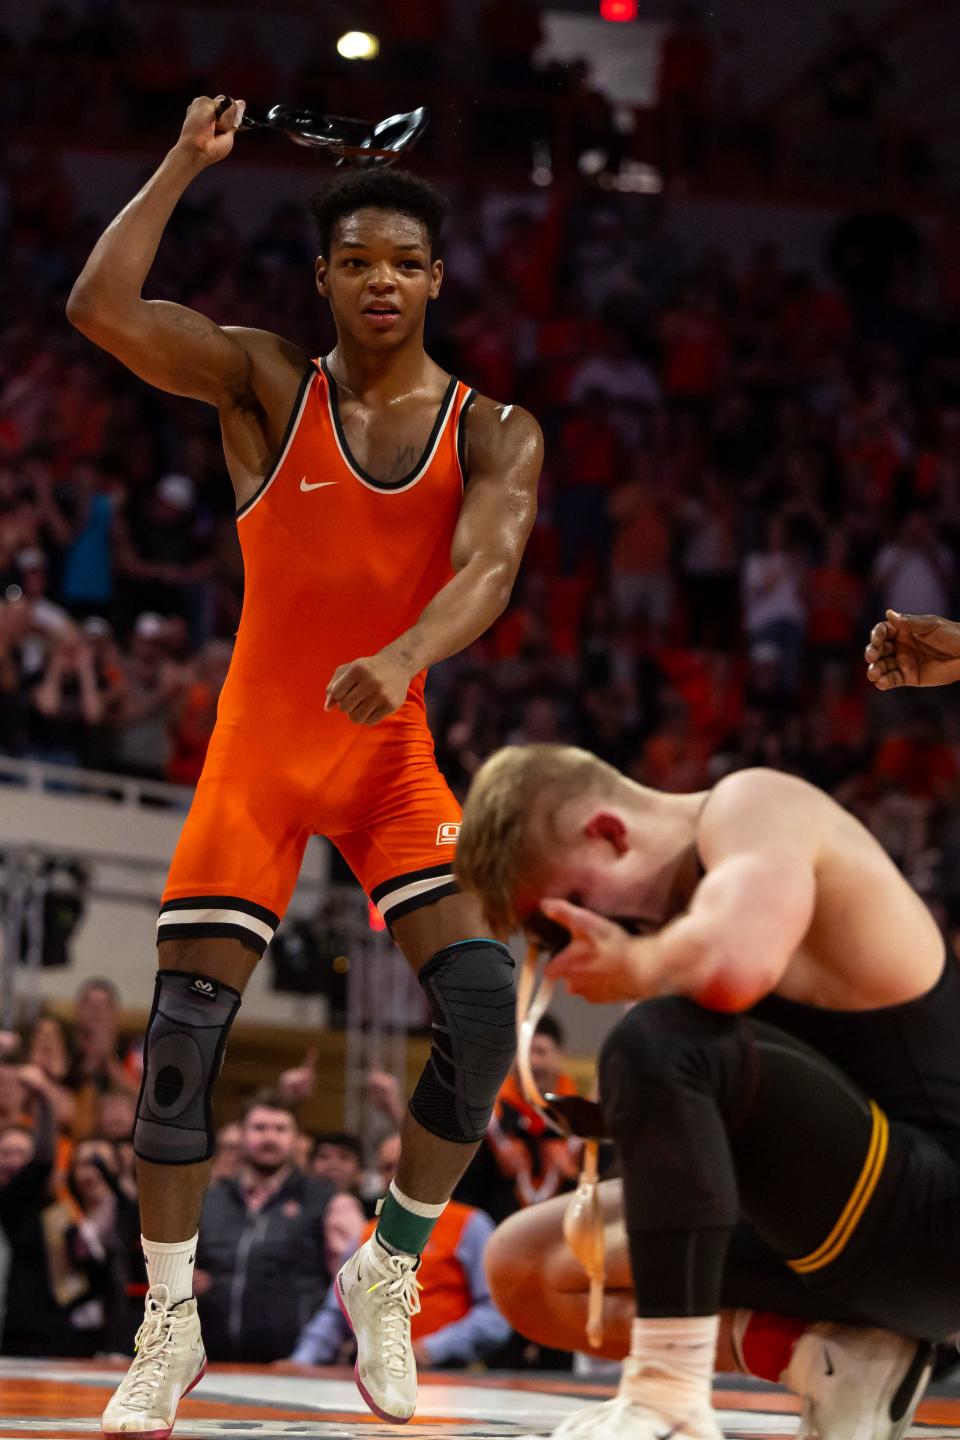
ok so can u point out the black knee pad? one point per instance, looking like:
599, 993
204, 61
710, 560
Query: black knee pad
471, 987
183, 1052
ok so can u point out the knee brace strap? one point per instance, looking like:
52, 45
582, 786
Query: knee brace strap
471, 987
183, 1051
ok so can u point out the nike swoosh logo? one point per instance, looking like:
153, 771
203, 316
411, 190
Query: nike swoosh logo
828, 1363
318, 486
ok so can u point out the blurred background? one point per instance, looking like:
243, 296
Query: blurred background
716, 251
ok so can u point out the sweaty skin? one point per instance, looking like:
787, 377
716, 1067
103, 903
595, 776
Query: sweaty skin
798, 899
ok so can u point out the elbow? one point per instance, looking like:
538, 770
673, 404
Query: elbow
731, 984
78, 309
83, 309
502, 599
501, 586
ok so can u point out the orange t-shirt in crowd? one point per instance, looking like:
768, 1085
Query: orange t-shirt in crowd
675, 762
590, 451
642, 539
923, 770
191, 734
558, 1161
877, 455
441, 1275
694, 353
835, 606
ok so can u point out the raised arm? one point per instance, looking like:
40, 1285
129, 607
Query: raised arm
505, 455
172, 347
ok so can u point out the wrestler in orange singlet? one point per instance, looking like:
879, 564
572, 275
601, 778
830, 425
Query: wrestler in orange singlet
383, 508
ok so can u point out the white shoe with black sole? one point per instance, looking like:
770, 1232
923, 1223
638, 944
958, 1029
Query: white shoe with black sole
857, 1383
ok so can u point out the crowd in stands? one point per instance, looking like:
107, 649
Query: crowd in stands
284, 1210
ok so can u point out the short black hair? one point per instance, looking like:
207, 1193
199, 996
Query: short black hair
342, 1139
552, 1028
377, 189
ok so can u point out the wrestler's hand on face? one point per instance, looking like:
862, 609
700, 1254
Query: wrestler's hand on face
601, 963
369, 689
913, 650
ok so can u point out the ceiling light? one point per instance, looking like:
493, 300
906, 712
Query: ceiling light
358, 45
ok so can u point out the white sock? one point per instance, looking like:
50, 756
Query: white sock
684, 1351
171, 1265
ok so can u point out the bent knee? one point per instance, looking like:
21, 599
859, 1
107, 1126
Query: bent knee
518, 1259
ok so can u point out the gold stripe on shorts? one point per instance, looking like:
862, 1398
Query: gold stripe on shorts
859, 1200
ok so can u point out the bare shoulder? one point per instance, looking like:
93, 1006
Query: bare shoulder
767, 805
275, 363
265, 345
502, 436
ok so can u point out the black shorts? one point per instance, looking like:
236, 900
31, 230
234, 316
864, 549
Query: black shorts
838, 1212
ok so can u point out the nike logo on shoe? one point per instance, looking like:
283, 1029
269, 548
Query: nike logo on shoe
318, 486
668, 1434
828, 1363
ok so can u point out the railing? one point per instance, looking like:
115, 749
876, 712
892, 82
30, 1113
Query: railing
26, 880
97, 784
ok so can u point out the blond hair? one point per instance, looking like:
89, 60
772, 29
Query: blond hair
499, 844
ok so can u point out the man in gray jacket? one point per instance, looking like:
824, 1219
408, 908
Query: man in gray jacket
261, 1268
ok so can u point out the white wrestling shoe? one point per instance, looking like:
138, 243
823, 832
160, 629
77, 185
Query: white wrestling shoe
630, 1417
857, 1383
378, 1294
169, 1361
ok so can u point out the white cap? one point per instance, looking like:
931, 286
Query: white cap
765, 652
149, 626
30, 559
176, 490
96, 627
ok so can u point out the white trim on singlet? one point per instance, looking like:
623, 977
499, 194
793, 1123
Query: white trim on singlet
215, 917
460, 446
293, 427
407, 892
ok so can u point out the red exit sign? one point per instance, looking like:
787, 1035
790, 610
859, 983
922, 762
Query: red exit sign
618, 10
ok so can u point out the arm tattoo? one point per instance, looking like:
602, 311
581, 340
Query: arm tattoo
192, 323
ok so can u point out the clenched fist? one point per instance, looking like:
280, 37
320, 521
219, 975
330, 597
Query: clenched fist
369, 689
206, 135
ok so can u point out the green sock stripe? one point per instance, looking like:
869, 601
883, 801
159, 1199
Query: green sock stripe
401, 1229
